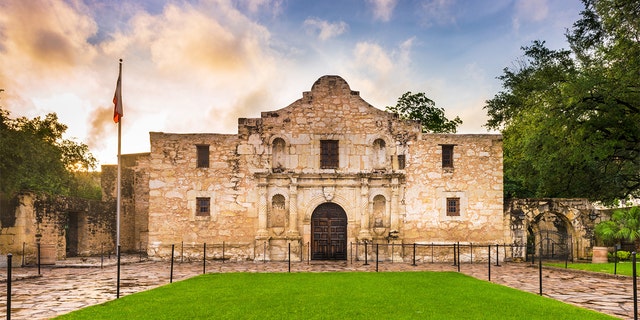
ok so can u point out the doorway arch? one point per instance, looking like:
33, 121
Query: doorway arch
329, 232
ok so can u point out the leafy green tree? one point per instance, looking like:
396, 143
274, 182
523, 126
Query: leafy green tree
624, 225
569, 118
418, 107
35, 157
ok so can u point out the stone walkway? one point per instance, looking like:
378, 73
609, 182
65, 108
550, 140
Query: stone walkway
73, 284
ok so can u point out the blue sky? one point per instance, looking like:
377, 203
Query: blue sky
196, 66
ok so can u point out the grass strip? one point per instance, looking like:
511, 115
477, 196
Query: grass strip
340, 295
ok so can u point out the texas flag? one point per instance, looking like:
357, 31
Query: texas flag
117, 99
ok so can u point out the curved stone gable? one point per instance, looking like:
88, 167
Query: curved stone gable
332, 107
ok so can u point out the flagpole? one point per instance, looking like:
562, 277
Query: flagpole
118, 102
119, 191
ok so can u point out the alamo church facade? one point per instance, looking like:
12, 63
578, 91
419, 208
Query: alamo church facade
326, 171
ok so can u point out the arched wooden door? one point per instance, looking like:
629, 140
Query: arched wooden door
329, 233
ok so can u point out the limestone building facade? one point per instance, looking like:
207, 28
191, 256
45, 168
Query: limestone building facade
316, 176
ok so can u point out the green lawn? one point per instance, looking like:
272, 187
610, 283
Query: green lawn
624, 268
343, 295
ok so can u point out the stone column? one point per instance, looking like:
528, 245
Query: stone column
395, 205
365, 212
262, 233
293, 209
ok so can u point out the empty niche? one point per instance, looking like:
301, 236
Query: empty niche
277, 214
379, 156
278, 162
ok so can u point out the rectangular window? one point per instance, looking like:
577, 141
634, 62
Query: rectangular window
447, 156
203, 156
203, 206
329, 154
453, 207
401, 161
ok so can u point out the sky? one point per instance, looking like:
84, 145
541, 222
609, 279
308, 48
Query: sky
192, 66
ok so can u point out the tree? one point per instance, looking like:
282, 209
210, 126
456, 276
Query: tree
624, 225
35, 157
418, 107
569, 118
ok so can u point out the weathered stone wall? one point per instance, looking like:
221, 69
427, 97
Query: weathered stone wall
134, 199
476, 178
46, 220
266, 181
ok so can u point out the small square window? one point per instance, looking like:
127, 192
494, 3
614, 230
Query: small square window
203, 206
453, 207
203, 156
447, 156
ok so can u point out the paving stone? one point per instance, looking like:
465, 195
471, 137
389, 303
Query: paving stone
74, 284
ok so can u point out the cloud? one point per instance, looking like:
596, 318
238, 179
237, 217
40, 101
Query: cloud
438, 12
44, 37
101, 121
383, 9
529, 11
325, 29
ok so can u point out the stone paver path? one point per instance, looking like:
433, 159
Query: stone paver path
73, 284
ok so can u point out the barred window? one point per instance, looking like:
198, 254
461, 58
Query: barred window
329, 154
447, 156
203, 206
203, 156
453, 207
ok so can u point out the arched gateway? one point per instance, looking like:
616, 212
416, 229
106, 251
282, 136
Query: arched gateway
329, 233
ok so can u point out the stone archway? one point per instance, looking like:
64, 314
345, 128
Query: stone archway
329, 232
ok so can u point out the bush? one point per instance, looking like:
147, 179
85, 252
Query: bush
622, 256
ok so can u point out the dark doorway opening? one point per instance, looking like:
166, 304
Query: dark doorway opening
72, 234
329, 233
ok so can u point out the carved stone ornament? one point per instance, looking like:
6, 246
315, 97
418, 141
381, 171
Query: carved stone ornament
329, 192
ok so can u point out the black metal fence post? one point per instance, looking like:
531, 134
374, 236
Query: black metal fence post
635, 287
171, 272
23, 245
204, 258
264, 253
366, 261
615, 260
489, 260
540, 268
471, 256
351, 251
497, 255
9, 265
414, 255
118, 273
38, 261
459, 257
455, 262
376, 257
101, 255
222, 251
432, 254
289, 257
